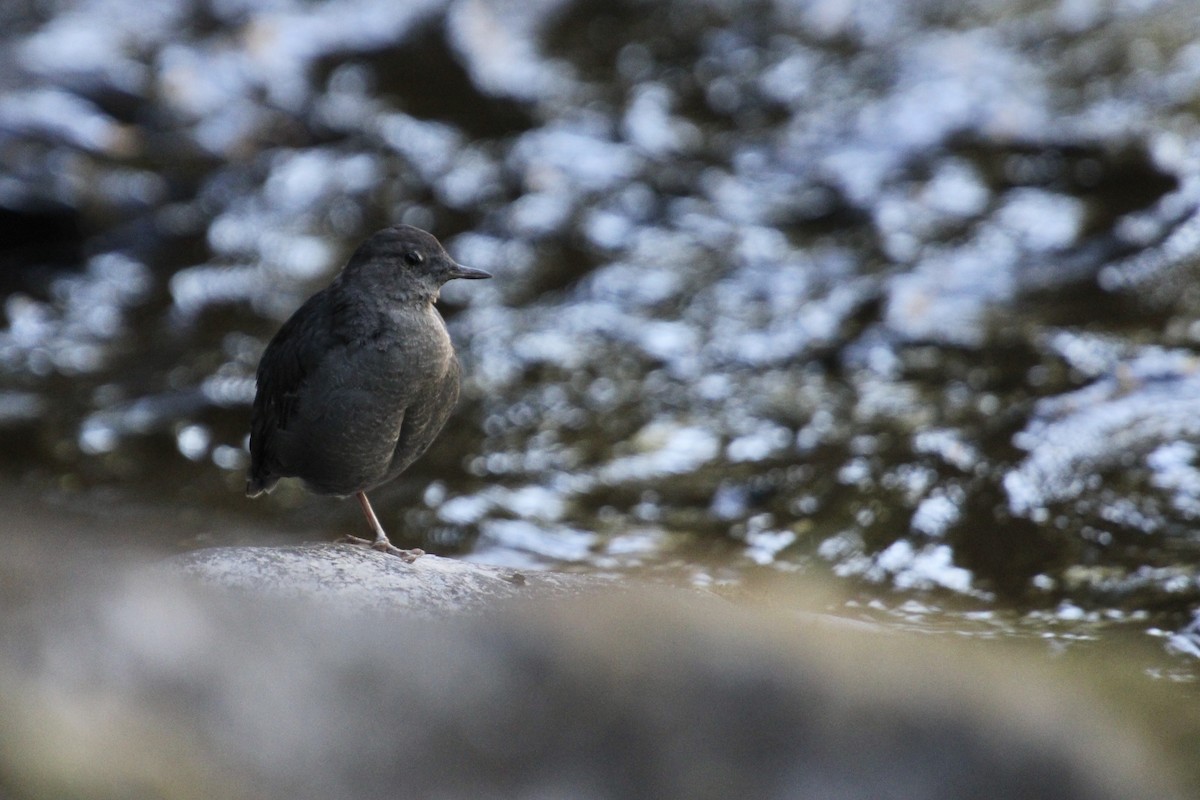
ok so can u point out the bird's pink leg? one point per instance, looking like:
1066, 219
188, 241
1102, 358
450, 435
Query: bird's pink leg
381, 542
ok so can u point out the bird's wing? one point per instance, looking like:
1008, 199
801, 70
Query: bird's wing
424, 421
290, 357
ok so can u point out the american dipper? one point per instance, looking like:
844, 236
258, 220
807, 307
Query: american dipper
360, 380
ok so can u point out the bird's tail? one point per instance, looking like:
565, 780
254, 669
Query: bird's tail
259, 484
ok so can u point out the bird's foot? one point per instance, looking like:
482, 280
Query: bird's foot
384, 546
408, 556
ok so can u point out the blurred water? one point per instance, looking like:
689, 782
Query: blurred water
901, 295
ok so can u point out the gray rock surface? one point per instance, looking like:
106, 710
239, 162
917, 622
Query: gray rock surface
127, 682
364, 578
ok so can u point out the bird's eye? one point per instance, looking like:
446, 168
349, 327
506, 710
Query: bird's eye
413, 258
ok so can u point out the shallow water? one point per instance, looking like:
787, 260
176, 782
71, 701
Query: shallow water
901, 298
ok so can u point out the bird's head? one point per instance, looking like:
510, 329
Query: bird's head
405, 263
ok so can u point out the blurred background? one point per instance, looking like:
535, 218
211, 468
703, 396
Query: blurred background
899, 296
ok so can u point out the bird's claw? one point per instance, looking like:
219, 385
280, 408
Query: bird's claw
384, 546
407, 556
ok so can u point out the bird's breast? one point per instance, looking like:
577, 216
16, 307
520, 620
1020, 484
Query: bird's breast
416, 350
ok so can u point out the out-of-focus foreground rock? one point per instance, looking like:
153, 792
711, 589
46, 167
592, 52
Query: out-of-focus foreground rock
120, 681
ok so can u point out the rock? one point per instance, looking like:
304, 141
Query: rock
364, 578
134, 682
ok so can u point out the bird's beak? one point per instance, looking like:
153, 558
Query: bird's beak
470, 273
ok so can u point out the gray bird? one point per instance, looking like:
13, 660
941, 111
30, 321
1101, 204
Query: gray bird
360, 380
